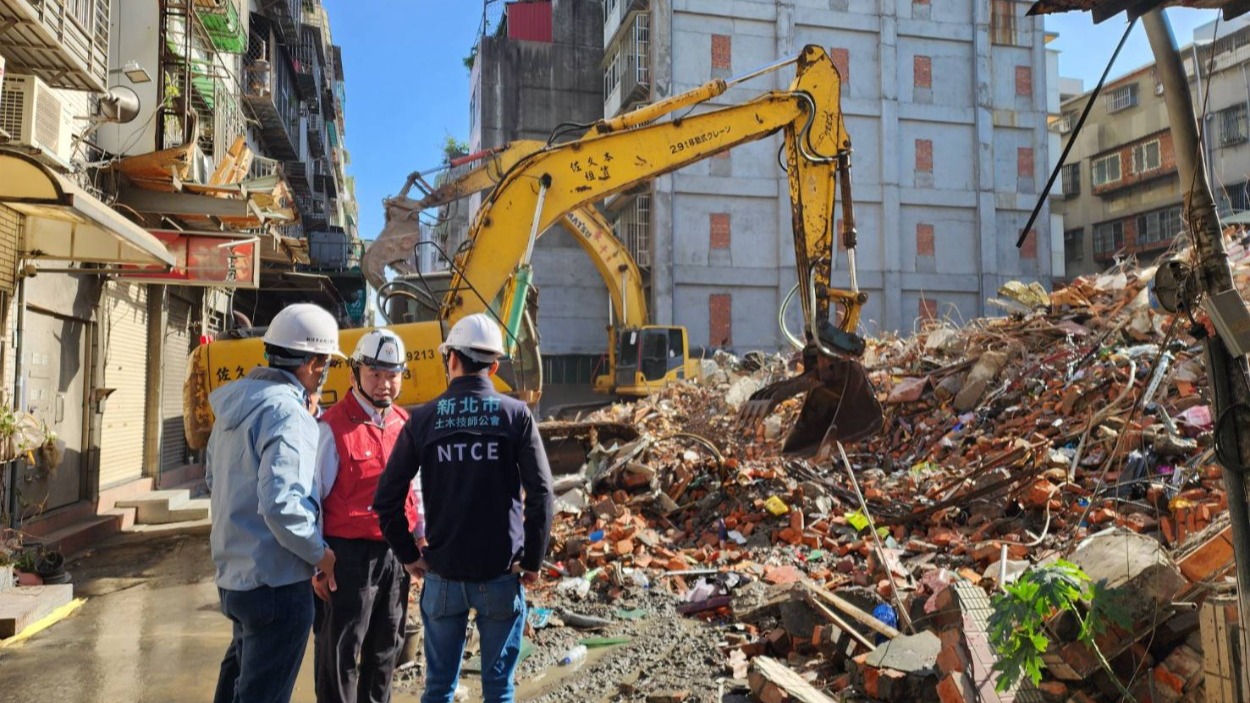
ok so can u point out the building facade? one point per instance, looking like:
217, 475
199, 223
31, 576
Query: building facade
536, 67
946, 105
168, 171
1121, 194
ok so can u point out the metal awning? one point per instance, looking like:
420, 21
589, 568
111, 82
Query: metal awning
65, 223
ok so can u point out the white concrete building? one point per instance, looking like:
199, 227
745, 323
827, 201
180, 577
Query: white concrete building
946, 105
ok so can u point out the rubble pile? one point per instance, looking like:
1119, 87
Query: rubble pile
1077, 425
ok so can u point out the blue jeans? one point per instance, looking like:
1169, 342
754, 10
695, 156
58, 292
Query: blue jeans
500, 606
271, 627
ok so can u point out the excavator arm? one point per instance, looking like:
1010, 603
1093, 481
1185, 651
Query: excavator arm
543, 186
536, 185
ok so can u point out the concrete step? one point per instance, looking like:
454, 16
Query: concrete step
74, 538
172, 505
193, 509
26, 605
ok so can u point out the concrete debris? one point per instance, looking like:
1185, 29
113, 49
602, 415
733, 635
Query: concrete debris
1078, 426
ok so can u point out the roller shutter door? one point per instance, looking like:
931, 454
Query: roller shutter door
123, 335
173, 373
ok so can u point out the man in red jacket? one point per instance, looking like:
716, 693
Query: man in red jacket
360, 624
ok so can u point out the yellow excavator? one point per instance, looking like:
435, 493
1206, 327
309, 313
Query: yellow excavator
491, 271
641, 357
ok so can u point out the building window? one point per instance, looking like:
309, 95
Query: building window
1028, 248
1003, 22
718, 224
1108, 237
1071, 175
1238, 197
1105, 170
1233, 127
1074, 244
721, 51
611, 76
927, 309
925, 243
1024, 81
924, 155
642, 49
1159, 226
1146, 157
922, 72
842, 61
720, 319
1122, 98
1068, 121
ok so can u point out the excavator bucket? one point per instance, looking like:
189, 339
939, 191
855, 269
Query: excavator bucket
841, 405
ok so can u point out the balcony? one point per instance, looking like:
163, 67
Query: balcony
316, 136
312, 212
323, 178
286, 16
269, 90
635, 80
308, 56
64, 42
333, 250
618, 15
224, 27
633, 228
627, 67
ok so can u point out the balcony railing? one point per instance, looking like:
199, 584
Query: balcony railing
64, 42
286, 14
616, 15
307, 58
634, 229
269, 89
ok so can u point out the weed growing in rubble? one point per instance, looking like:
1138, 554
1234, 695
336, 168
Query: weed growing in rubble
1018, 623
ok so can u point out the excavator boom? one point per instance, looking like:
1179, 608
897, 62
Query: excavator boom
536, 185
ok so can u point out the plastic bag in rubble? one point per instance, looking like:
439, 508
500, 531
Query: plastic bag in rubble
574, 586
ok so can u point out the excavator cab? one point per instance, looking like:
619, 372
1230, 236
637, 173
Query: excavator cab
648, 357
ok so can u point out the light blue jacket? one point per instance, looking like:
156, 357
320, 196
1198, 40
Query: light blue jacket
260, 466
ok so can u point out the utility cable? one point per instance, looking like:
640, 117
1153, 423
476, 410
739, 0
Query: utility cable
1063, 157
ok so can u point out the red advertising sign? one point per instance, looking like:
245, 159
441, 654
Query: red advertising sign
209, 259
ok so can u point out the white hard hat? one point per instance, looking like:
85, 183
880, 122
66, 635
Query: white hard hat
476, 336
380, 349
304, 327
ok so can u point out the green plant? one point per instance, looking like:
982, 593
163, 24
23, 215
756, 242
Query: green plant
454, 148
470, 59
1018, 623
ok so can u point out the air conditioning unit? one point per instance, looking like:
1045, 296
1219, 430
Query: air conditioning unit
1064, 126
1158, 89
33, 115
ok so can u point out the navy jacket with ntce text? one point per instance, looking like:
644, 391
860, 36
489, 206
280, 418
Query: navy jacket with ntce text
485, 480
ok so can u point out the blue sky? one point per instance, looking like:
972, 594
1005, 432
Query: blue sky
408, 89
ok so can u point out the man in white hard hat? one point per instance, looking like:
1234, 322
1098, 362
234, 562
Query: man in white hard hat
360, 626
265, 539
488, 506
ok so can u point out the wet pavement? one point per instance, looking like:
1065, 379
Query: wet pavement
150, 630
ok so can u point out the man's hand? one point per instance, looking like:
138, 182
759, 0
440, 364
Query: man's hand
325, 575
417, 568
528, 578
321, 586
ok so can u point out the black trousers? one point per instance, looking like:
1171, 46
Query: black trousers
360, 632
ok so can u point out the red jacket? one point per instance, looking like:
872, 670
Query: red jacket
363, 449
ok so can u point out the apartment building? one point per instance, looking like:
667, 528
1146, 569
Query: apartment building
1121, 195
946, 105
168, 170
